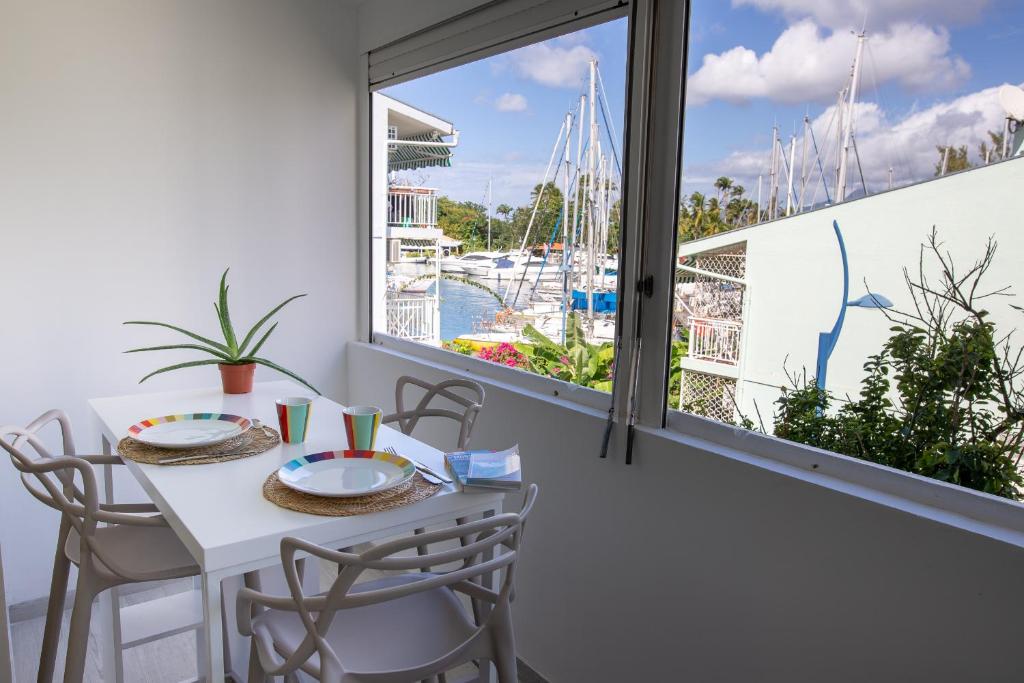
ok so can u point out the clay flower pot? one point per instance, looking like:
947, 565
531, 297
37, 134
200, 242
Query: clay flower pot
236, 379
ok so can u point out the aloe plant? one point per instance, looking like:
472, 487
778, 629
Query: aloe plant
230, 352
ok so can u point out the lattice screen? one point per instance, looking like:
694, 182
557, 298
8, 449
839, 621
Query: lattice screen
709, 395
715, 298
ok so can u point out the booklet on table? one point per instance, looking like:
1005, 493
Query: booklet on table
486, 469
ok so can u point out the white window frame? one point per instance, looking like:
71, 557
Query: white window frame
653, 150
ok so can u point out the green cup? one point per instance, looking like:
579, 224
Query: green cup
361, 423
293, 418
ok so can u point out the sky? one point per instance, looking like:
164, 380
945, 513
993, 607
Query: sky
930, 73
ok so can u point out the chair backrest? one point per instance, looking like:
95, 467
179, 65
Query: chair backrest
490, 545
470, 401
51, 480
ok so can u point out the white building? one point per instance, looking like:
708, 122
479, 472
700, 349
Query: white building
404, 138
764, 292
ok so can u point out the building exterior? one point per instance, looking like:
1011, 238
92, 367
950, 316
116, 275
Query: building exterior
758, 296
404, 217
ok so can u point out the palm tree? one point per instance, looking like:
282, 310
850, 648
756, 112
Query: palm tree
698, 205
504, 210
723, 185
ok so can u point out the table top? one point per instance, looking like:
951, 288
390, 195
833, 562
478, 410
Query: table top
219, 511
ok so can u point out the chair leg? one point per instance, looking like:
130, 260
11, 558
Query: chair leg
78, 634
421, 550
504, 640
256, 673
55, 606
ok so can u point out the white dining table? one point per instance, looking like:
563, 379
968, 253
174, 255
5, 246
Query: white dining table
219, 512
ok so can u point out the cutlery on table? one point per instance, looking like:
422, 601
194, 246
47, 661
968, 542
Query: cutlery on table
424, 470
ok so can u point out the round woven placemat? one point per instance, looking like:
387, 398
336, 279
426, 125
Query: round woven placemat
253, 442
412, 491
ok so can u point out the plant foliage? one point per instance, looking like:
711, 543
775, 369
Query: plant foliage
942, 398
230, 352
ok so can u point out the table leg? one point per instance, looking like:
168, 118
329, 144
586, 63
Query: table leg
110, 600
213, 628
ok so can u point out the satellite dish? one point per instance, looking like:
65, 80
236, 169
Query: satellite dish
1012, 99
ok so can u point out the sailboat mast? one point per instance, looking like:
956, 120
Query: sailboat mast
771, 173
566, 231
803, 166
792, 169
489, 180
840, 108
577, 193
591, 161
758, 217
848, 131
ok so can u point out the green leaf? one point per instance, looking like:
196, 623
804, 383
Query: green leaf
216, 345
224, 315
275, 366
259, 344
264, 319
224, 329
194, 347
179, 366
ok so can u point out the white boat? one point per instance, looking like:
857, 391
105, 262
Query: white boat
462, 264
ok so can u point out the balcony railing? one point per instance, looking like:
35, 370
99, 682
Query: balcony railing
412, 207
715, 340
416, 318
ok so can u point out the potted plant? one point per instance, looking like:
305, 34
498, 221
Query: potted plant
237, 361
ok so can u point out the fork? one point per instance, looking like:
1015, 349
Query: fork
424, 470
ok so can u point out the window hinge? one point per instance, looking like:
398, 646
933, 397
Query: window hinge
646, 286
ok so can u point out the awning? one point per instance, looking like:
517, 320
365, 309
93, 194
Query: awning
407, 157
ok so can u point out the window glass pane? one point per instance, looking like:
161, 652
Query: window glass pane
849, 227
496, 206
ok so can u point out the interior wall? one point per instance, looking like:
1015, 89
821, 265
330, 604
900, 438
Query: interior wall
691, 566
144, 148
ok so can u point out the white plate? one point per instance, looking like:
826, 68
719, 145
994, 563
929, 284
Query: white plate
341, 474
189, 430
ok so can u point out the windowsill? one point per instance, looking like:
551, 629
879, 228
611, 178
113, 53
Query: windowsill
966, 509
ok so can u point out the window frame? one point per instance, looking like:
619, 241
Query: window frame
650, 87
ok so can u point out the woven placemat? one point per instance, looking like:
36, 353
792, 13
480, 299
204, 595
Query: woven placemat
253, 442
412, 491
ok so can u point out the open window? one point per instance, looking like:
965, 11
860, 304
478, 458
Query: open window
496, 203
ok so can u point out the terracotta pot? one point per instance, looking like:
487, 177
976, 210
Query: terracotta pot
236, 379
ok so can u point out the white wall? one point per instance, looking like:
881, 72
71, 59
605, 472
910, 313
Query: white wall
144, 147
691, 566
795, 272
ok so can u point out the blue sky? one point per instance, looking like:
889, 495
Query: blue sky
930, 72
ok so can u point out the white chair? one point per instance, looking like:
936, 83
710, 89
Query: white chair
448, 390
396, 629
134, 545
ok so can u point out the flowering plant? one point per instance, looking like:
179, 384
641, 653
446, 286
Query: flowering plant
504, 354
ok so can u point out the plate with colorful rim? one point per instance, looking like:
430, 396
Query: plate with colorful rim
342, 474
189, 430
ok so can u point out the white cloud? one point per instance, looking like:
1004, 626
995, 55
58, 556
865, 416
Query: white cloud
806, 65
510, 102
906, 144
847, 14
552, 64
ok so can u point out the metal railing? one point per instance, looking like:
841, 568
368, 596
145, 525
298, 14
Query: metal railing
715, 340
416, 318
412, 207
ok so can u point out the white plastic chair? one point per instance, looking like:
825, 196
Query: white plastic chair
136, 545
471, 403
397, 629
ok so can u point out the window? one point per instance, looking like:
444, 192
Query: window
762, 254
847, 235
496, 205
